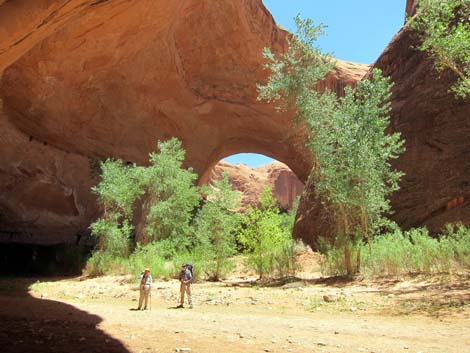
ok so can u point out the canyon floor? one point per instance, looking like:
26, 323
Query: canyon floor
310, 314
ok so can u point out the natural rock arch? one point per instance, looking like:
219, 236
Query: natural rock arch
96, 79
84, 79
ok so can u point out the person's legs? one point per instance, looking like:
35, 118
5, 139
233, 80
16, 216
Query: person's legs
182, 289
146, 296
188, 293
141, 298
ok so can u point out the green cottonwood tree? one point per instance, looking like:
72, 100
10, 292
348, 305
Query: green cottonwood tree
171, 195
168, 195
117, 192
444, 27
347, 137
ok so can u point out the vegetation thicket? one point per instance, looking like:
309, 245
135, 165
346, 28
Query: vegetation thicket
444, 28
176, 223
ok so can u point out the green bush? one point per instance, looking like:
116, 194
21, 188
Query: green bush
285, 259
413, 251
456, 239
148, 256
104, 263
267, 240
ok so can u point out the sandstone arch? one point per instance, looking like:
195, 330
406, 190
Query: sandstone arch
84, 79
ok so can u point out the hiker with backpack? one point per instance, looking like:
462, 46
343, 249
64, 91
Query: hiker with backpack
186, 278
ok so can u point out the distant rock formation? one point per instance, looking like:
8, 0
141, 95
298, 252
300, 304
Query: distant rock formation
251, 181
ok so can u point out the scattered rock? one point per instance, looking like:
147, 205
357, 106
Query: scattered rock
330, 298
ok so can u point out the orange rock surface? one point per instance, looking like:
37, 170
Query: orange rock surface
250, 182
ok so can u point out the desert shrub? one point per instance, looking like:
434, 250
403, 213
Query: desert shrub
456, 240
149, 256
332, 262
266, 238
104, 263
413, 251
113, 237
285, 259
424, 251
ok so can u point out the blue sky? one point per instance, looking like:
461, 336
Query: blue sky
358, 30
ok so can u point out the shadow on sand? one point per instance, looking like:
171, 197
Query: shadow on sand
29, 324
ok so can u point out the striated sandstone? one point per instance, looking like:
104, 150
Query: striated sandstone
251, 181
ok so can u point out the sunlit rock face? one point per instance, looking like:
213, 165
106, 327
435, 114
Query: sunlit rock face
436, 126
285, 185
87, 79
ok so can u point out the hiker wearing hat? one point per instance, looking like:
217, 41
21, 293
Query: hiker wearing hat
145, 287
185, 279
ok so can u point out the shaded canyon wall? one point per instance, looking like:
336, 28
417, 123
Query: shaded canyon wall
436, 127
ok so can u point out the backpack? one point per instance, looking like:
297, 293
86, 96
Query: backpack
190, 268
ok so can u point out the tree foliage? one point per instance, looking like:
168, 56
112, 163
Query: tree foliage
347, 136
118, 189
444, 27
216, 224
117, 192
170, 194
165, 189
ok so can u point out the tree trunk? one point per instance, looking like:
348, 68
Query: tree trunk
358, 260
347, 260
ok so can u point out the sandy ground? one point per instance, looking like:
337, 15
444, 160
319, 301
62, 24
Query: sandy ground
416, 314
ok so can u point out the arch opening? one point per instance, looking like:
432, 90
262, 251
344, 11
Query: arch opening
250, 173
